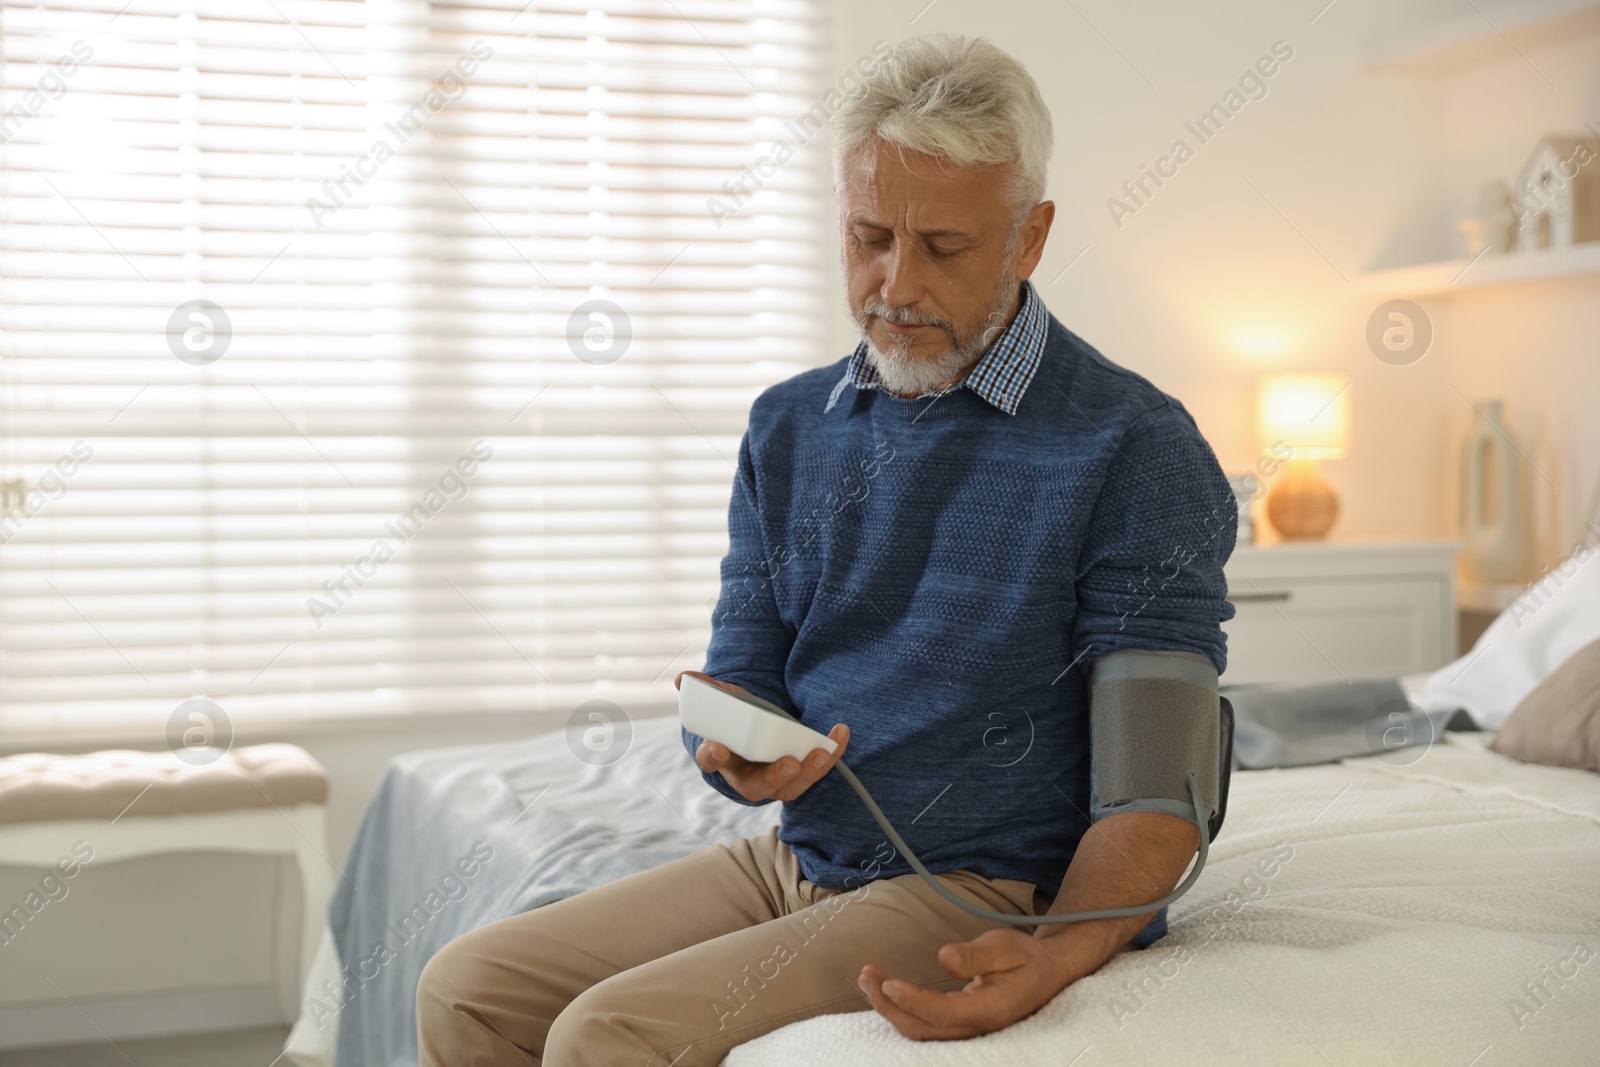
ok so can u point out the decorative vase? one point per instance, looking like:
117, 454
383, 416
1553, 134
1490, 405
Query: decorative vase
1489, 222
1493, 519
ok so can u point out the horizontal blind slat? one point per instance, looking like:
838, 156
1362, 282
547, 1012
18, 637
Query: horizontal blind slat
515, 162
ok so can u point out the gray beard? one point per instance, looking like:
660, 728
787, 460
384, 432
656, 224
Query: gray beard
901, 371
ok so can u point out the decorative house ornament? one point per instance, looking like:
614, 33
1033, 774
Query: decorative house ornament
1557, 196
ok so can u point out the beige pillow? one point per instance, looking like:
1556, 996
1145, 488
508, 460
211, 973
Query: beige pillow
1559, 722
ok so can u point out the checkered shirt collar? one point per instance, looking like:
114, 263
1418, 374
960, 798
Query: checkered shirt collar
1000, 377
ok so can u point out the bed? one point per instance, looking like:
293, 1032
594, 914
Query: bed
1429, 905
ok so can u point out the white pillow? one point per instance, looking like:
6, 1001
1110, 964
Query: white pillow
1556, 616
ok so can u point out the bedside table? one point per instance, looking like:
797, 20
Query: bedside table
1332, 611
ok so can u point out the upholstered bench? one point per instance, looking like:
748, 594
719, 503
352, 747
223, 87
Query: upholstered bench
121, 804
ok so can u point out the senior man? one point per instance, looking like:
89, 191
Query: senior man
981, 552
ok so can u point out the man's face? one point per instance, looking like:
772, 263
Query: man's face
931, 261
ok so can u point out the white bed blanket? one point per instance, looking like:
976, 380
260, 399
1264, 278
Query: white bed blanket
1422, 891
1417, 903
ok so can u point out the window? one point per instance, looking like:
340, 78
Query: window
367, 358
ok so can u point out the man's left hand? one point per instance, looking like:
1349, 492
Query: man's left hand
1012, 976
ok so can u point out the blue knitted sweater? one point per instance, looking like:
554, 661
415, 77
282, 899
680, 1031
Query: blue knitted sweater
939, 575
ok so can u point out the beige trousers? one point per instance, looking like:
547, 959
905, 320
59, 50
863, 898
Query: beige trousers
679, 964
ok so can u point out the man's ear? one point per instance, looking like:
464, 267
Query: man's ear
1030, 242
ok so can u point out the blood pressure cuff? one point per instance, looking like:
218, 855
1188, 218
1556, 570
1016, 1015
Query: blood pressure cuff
1155, 718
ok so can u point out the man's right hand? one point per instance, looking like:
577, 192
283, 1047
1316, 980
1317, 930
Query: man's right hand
782, 779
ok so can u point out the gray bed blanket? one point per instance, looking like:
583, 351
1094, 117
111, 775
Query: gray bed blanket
1296, 725
456, 838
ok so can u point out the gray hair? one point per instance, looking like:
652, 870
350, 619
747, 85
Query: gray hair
956, 98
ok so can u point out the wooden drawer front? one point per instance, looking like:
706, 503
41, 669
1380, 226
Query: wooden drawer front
1332, 631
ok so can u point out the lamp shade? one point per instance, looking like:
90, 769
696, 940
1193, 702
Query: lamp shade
1308, 412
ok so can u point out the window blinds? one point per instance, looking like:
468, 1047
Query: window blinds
364, 358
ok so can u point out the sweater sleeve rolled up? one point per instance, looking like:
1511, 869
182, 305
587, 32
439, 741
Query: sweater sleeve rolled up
1150, 570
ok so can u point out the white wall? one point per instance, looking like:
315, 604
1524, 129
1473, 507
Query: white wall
1203, 290
1536, 345
1208, 286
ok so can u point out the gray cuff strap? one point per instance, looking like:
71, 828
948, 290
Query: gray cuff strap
1154, 718
1138, 663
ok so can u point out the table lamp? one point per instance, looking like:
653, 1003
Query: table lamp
1304, 418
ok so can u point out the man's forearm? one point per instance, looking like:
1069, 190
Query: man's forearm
1123, 860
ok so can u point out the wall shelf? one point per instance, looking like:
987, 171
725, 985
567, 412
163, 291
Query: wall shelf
1495, 268
1472, 38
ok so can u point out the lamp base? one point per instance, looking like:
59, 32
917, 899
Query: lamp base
1302, 506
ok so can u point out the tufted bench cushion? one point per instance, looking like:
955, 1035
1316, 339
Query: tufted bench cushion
44, 787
